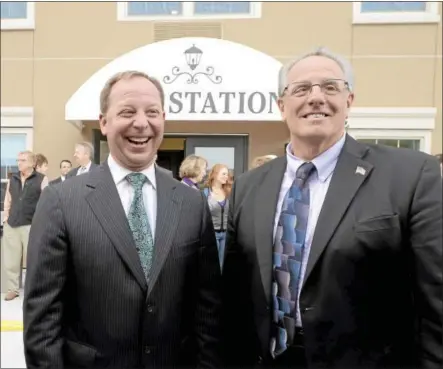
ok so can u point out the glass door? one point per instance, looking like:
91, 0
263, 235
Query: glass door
228, 150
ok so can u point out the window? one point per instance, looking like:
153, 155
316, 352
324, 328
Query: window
13, 10
155, 8
392, 6
222, 7
405, 143
396, 12
16, 134
394, 126
186, 10
17, 15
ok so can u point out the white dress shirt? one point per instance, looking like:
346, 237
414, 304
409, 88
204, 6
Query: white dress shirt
84, 169
318, 187
126, 191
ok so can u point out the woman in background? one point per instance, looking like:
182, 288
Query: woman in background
217, 191
41, 164
193, 170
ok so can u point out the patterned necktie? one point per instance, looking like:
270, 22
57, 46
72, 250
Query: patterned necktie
288, 255
139, 222
81, 170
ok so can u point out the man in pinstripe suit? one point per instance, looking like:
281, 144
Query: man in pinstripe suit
124, 269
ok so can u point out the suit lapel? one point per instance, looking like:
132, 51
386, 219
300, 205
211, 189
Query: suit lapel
168, 212
350, 173
266, 204
105, 203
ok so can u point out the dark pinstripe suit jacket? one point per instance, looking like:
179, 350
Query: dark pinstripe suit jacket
87, 303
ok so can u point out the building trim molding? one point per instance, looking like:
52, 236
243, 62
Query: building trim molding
17, 117
415, 118
15, 111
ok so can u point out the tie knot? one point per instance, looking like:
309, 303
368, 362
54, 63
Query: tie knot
304, 171
137, 180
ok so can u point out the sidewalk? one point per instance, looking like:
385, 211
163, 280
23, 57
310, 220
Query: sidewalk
12, 355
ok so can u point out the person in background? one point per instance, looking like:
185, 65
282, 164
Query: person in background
19, 209
440, 159
83, 155
41, 164
192, 171
125, 270
260, 160
334, 251
65, 167
217, 190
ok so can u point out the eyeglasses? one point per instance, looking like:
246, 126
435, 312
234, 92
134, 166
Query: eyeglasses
328, 87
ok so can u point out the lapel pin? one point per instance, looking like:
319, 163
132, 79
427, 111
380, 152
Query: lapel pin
360, 170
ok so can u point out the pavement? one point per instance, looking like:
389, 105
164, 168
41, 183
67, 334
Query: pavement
12, 354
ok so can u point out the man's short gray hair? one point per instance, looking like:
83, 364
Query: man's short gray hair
88, 147
344, 65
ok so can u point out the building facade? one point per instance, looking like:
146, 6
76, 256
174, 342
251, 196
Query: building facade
218, 62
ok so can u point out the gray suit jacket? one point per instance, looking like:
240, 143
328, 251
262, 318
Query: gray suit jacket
372, 293
87, 303
55, 181
167, 171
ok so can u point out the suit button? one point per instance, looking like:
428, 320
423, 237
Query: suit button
150, 309
148, 350
259, 360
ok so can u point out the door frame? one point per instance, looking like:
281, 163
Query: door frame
97, 136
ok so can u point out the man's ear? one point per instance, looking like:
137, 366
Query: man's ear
281, 107
350, 100
103, 124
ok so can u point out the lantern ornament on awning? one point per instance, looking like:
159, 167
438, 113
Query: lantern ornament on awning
193, 56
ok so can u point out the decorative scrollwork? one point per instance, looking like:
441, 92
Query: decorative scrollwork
176, 74
209, 72
192, 78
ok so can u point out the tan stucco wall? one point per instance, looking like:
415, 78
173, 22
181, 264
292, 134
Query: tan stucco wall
395, 65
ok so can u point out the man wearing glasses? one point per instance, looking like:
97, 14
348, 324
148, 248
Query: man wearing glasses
333, 253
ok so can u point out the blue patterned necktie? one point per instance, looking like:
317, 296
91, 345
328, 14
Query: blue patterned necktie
139, 222
288, 255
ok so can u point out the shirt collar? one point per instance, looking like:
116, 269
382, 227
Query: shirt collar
324, 163
87, 166
119, 173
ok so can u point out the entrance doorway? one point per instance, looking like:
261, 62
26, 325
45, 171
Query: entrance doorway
231, 150
171, 159
171, 154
